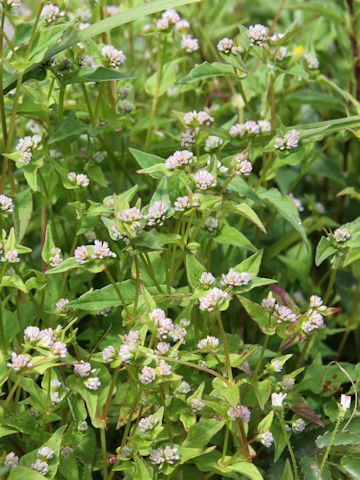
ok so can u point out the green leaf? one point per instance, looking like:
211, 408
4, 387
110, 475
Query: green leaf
245, 210
68, 264
168, 79
209, 70
324, 250
101, 74
147, 160
48, 244
259, 315
105, 297
351, 466
23, 212
231, 236
24, 473
202, 432
194, 269
286, 208
71, 127
287, 473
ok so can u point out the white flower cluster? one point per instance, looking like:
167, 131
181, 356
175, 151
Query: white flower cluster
209, 343
61, 304
179, 159
258, 34
250, 128
188, 137
26, 147
55, 257
11, 460
213, 142
92, 383
311, 61
79, 179
6, 204
160, 456
289, 141
277, 399
83, 369
148, 423
133, 218
169, 18
207, 279
127, 349
341, 235
211, 224
9, 255
197, 404
226, 45
157, 213
13, 3
196, 119
87, 61
189, 44
266, 439
204, 179
56, 393
19, 362
98, 251
240, 411
213, 299
314, 318
281, 53
299, 425
184, 203
235, 279
50, 13
47, 338
241, 164
113, 57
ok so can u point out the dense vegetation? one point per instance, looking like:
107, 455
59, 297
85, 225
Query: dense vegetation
180, 239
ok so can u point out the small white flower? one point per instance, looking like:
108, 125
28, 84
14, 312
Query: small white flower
61, 304
182, 26
204, 180
159, 456
213, 142
311, 61
157, 213
213, 299
197, 404
207, 279
265, 126
18, 362
235, 279
281, 53
87, 61
55, 257
209, 343
341, 235
109, 353
82, 254
92, 383
82, 369
40, 466
297, 202
171, 16
287, 383
179, 159
147, 375
164, 325
82, 426
316, 301
12, 460
162, 348
183, 387
240, 411
148, 423
211, 224
6, 204
345, 401
276, 366
164, 369
113, 57
188, 137
46, 453
258, 34
11, 256
189, 44
101, 250
225, 45
299, 425
59, 349
284, 314
184, 203
266, 439
50, 13
162, 23
26, 147
277, 399
79, 179
269, 304
290, 140
314, 321
195, 119
31, 334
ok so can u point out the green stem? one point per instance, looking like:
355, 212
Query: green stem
262, 353
117, 290
287, 439
330, 286
330, 444
104, 453
225, 345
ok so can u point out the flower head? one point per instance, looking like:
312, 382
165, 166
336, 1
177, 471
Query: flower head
258, 34
114, 58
